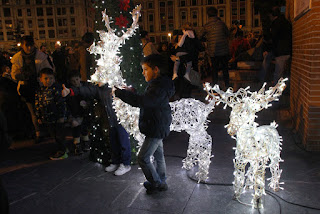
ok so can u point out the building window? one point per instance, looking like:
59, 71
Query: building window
256, 22
0, 24
194, 2
170, 14
164, 38
10, 36
183, 15
50, 22
28, 12
163, 16
170, 3
162, 4
242, 11
38, 1
58, 11
40, 22
255, 12
221, 2
64, 11
243, 22
51, 34
73, 33
5, 2
42, 34
39, 11
234, 0
234, 11
19, 12
18, 2
152, 39
221, 13
31, 33
49, 11
150, 17
210, 2
71, 10
21, 24
1, 36
48, 1
163, 27
150, 5
60, 22
182, 3
8, 24
71, 1
194, 14
151, 29
6, 12
73, 21
30, 23
171, 27
27, 1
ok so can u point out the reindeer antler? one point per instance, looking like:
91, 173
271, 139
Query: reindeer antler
272, 94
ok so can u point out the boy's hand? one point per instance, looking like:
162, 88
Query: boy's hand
65, 91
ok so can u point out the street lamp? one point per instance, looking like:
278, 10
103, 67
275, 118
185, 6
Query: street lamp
169, 34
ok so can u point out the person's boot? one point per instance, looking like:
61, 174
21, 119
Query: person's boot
78, 149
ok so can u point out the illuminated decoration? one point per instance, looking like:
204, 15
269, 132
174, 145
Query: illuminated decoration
191, 115
256, 145
188, 114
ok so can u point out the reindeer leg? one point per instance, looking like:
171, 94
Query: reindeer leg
204, 156
274, 166
192, 153
239, 174
259, 168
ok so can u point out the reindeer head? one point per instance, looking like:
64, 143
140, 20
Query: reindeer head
246, 104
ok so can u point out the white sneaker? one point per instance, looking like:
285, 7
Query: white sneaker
122, 169
111, 167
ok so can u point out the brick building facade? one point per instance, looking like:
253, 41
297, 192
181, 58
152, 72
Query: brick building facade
305, 74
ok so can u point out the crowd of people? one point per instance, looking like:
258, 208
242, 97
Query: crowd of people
55, 90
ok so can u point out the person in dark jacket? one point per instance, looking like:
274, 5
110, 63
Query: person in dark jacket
217, 35
51, 110
79, 115
281, 36
119, 138
154, 120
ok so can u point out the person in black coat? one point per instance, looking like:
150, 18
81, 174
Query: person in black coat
154, 120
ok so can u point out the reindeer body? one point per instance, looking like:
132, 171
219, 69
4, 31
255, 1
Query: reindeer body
256, 145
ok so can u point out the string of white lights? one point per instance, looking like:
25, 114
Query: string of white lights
188, 114
256, 145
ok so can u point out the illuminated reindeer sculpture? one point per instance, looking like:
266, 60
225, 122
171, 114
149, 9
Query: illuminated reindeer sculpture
188, 114
256, 145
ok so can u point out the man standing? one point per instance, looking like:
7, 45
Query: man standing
217, 35
26, 65
85, 58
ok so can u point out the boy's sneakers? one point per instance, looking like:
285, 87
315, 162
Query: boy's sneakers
59, 155
123, 169
78, 149
151, 189
111, 167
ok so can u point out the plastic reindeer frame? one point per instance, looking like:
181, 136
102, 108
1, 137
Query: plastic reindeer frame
188, 114
256, 145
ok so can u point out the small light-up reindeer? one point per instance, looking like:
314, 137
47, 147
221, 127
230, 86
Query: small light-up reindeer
188, 114
256, 145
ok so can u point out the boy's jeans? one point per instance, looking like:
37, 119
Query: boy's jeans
120, 145
153, 146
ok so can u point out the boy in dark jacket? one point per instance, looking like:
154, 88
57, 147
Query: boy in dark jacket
119, 138
51, 110
155, 119
79, 115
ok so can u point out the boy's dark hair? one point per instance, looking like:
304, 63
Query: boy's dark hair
74, 73
154, 60
47, 71
28, 40
88, 37
212, 12
143, 34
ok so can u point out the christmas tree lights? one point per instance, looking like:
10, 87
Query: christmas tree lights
256, 145
188, 114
